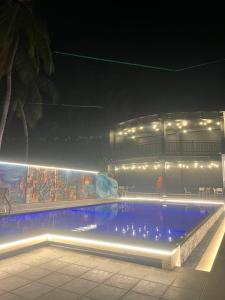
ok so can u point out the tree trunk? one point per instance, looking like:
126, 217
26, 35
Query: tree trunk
8, 94
26, 133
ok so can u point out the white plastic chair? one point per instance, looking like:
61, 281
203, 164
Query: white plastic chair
208, 191
219, 191
187, 193
201, 191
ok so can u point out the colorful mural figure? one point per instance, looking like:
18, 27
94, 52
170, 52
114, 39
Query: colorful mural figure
87, 189
106, 187
14, 178
66, 185
40, 185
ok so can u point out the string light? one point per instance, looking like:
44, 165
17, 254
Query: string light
156, 166
180, 124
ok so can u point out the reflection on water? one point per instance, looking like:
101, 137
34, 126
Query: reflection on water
145, 221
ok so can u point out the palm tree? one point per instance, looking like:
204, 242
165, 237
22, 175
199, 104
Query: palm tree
27, 103
24, 50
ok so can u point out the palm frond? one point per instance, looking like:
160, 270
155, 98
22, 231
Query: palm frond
47, 89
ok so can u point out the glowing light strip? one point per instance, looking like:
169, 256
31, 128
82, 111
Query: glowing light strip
38, 239
47, 167
62, 238
210, 254
193, 201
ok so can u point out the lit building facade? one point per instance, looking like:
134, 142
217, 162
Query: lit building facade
183, 148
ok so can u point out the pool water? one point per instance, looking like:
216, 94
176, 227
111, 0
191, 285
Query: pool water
133, 220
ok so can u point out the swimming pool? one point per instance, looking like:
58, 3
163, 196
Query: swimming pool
143, 229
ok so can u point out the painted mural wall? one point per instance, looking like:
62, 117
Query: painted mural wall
30, 184
33, 184
106, 187
15, 179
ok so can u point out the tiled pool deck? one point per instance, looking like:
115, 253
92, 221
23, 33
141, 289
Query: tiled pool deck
58, 273
52, 273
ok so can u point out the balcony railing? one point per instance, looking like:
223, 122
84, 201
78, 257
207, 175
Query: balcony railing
191, 148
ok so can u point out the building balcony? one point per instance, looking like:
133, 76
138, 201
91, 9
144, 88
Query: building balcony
186, 148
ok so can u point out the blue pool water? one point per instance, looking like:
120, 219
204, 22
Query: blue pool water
133, 220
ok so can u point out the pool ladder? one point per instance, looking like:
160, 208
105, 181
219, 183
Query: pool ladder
4, 201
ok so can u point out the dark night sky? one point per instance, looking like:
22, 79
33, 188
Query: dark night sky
173, 42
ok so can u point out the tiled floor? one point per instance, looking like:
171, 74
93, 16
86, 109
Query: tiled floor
51, 273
